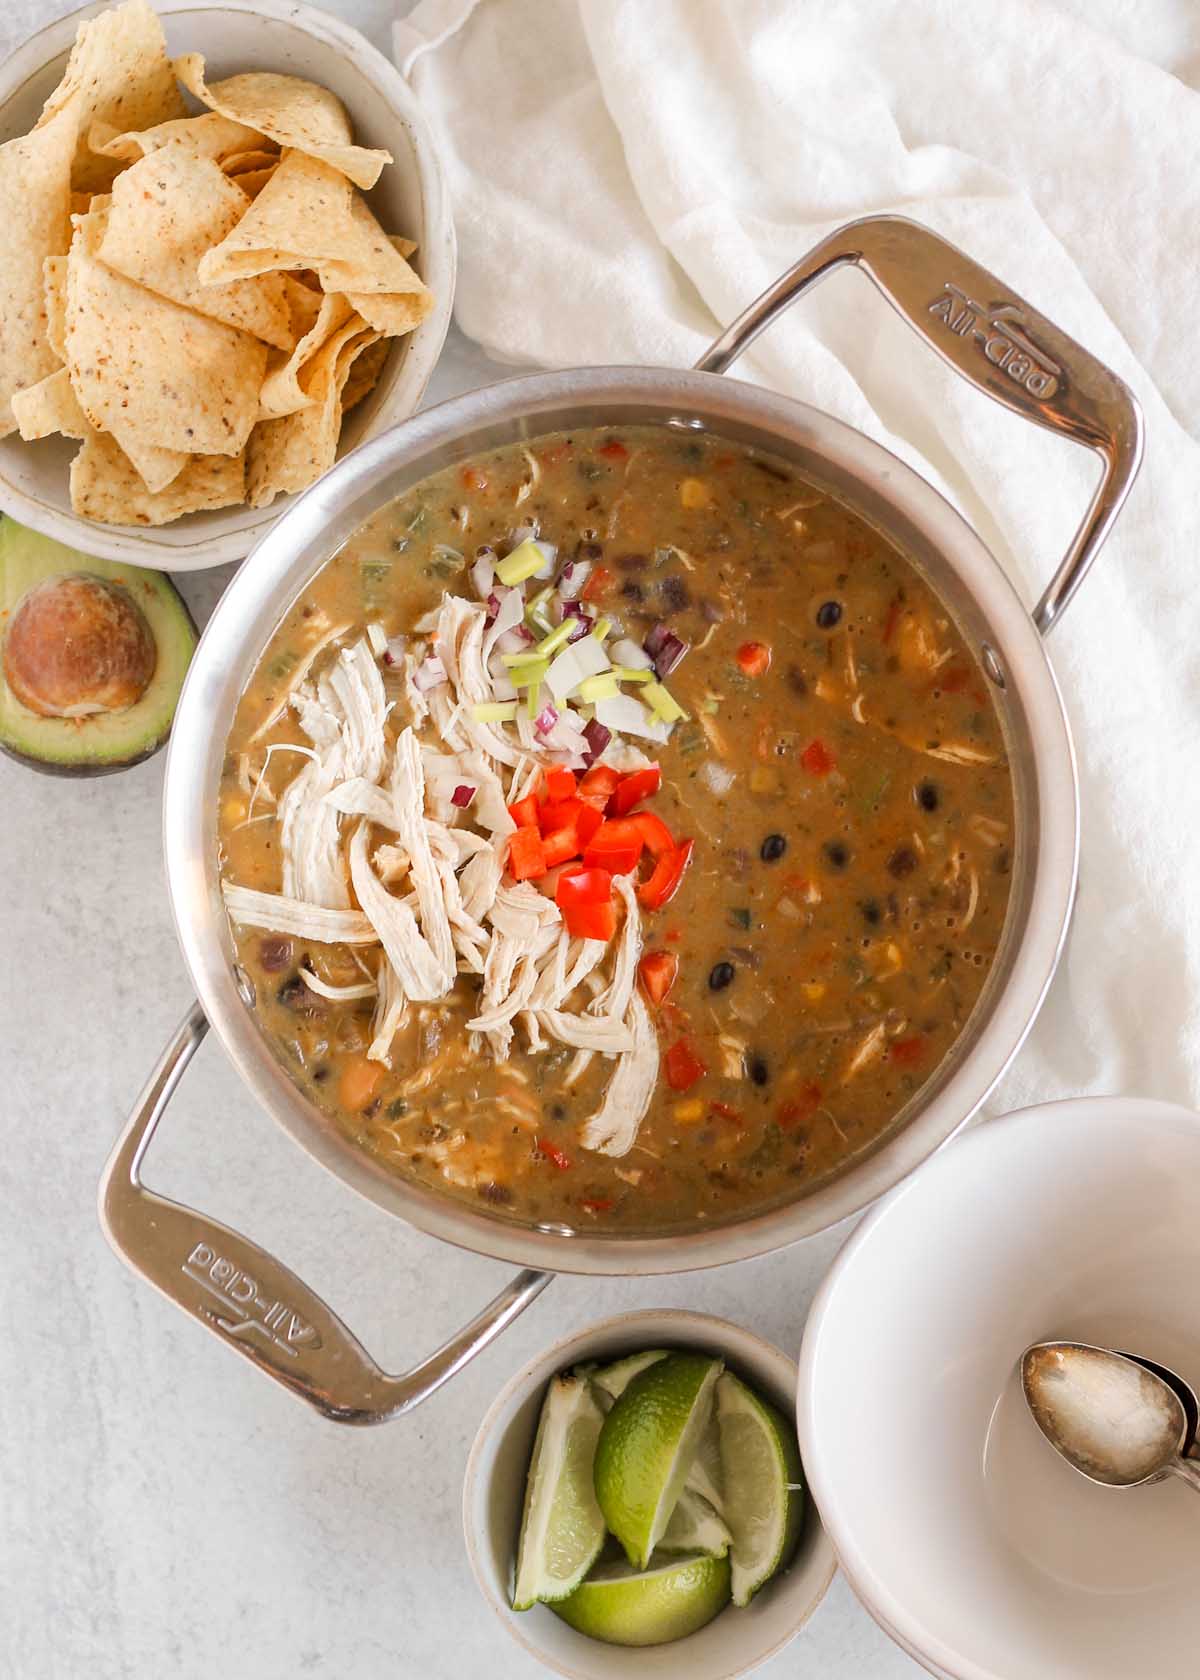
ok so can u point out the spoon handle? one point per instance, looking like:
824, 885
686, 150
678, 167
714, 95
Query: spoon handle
1186, 1470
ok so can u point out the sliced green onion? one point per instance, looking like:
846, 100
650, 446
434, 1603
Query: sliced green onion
632, 673
663, 703
558, 637
527, 656
532, 704
495, 711
601, 687
535, 609
524, 560
533, 672
603, 629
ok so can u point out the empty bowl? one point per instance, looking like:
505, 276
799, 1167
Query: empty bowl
410, 198
494, 1492
966, 1536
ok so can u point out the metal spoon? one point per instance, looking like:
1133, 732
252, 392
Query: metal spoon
1112, 1417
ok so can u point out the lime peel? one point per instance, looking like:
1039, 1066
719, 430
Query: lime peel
562, 1530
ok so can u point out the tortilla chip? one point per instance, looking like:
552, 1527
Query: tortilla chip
304, 303
290, 111
364, 372
289, 454
241, 163
105, 487
167, 211
254, 180
282, 391
54, 287
35, 175
150, 372
208, 135
118, 73
50, 407
392, 313
308, 216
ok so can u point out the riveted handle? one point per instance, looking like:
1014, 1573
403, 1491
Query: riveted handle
254, 1303
994, 339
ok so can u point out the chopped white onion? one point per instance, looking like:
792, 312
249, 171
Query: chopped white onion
429, 673
585, 658
717, 777
393, 653
483, 574
377, 638
629, 717
549, 552
631, 654
574, 576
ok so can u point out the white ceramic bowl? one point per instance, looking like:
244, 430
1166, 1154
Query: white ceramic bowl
410, 198
737, 1640
965, 1535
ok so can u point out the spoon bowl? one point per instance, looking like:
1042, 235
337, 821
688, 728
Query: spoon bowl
1116, 1419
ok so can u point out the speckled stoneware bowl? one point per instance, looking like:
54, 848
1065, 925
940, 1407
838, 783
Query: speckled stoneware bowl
733, 1644
410, 198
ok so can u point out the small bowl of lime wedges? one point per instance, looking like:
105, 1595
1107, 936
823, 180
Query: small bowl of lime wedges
635, 1502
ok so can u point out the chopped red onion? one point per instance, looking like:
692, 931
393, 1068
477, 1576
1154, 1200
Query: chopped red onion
670, 652
655, 638
597, 738
514, 639
462, 796
429, 673
393, 653
483, 575
574, 575
582, 617
546, 719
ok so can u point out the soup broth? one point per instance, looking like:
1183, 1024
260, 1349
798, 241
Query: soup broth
827, 743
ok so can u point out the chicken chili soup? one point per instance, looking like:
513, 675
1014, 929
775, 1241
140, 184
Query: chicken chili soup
617, 832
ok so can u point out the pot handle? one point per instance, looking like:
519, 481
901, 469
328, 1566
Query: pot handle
997, 341
252, 1302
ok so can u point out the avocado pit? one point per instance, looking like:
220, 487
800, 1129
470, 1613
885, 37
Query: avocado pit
77, 645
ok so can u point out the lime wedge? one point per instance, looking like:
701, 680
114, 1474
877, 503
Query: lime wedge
695, 1527
759, 1457
670, 1600
705, 1476
615, 1379
562, 1530
647, 1445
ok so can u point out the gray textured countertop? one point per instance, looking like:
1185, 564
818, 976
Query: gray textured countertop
164, 1511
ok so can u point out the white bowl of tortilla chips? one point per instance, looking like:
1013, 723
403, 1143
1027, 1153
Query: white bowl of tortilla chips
225, 229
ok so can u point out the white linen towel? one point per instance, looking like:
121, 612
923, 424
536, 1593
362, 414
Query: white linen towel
628, 174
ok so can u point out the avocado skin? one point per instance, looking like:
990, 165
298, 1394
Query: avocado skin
130, 737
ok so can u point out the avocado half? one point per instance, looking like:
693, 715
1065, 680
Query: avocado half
99, 742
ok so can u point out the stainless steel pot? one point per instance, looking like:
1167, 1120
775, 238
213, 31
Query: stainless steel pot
996, 341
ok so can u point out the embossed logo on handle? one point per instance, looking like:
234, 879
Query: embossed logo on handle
1001, 332
244, 1310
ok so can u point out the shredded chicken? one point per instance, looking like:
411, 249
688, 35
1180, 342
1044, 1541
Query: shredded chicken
613, 1128
280, 914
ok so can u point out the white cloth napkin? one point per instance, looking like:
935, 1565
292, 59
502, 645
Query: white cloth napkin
628, 174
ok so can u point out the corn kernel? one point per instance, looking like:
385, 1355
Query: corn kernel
693, 493
234, 810
687, 1113
764, 780
813, 991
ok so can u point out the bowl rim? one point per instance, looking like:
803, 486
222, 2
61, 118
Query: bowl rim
141, 546
888, 1611
681, 1324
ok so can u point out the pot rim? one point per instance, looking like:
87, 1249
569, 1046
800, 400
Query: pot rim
523, 407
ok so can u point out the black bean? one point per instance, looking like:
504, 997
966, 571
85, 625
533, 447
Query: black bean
872, 914
371, 1110
837, 853
274, 954
320, 1074
293, 994
497, 1194
902, 862
558, 1111
772, 848
796, 680
756, 1067
631, 562
829, 615
588, 550
721, 975
927, 796
633, 591
675, 593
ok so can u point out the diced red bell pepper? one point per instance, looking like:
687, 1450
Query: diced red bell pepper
655, 833
633, 788
817, 759
597, 1204
799, 1108
754, 658
613, 450
590, 921
561, 845
662, 885
597, 785
684, 1067
560, 782
583, 886
524, 812
724, 1111
588, 820
526, 855
558, 813
657, 971
616, 846
598, 584
891, 621
471, 478
907, 1052
553, 1154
